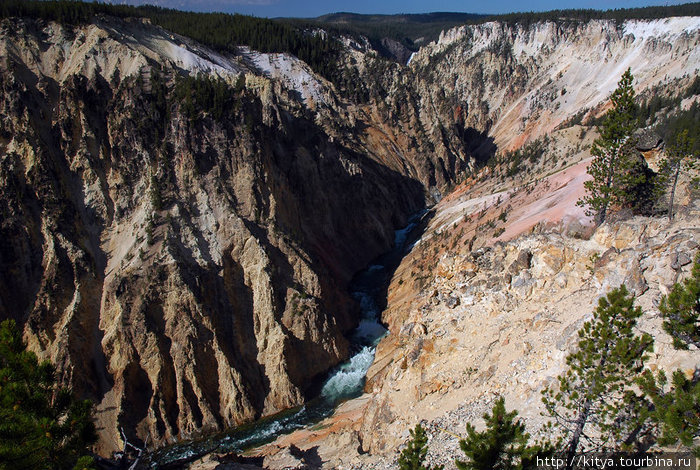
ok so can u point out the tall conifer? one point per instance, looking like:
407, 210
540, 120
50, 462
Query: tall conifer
503, 445
591, 406
612, 152
41, 425
413, 456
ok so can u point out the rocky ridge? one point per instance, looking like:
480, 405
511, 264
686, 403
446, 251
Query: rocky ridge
475, 312
518, 83
179, 267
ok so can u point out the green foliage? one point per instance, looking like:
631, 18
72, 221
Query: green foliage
694, 88
620, 179
202, 93
41, 425
518, 160
681, 310
648, 111
593, 406
155, 194
503, 445
680, 120
620, 14
404, 28
159, 104
408, 28
321, 51
220, 31
150, 228
675, 409
413, 456
69, 12
680, 156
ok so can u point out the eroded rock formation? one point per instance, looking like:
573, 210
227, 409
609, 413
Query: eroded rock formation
180, 263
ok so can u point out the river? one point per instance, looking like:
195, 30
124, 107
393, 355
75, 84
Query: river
343, 383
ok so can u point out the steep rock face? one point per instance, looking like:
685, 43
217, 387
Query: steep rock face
178, 266
475, 312
500, 322
180, 261
518, 82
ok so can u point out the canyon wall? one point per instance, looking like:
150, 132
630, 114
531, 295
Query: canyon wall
181, 267
519, 82
180, 249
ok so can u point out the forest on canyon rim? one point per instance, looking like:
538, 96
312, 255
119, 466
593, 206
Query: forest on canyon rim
187, 199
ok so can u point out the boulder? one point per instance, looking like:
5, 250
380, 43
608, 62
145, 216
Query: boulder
647, 140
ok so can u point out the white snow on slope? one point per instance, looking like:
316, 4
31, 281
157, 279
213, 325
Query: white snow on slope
662, 28
188, 60
576, 67
186, 54
294, 73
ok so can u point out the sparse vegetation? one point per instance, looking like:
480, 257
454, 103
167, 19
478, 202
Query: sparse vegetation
680, 156
673, 409
504, 444
593, 406
202, 93
413, 456
220, 31
619, 178
681, 310
42, 426
606, 401
154, 193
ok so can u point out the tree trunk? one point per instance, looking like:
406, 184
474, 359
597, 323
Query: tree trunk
572, 445
582, 419
608, 184
673, 192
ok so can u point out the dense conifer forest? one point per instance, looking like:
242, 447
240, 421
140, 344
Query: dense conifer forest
302, 37
221, 31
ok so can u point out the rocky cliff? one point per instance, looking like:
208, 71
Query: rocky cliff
489, 299
519, 82
488, 303
181, 225
179, 259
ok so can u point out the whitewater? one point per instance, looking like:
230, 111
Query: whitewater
343, 383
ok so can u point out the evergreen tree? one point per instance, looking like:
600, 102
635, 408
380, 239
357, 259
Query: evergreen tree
41, 425
594, 406
614, 168
681, 310
679, 157
675, 406
502, 446
674, 411
413, 456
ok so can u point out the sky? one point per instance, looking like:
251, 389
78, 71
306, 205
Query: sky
313, 8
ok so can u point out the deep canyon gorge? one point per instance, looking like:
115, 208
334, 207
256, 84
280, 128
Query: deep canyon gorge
190, 270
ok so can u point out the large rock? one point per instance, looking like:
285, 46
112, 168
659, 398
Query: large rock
647, 139
180, 269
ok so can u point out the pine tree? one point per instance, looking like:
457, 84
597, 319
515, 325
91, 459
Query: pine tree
679, 157
593, 406
502, 446
681, 310
613, 154
413, 456
675, 406
41, 425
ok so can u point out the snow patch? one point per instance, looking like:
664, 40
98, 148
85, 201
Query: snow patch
294, 73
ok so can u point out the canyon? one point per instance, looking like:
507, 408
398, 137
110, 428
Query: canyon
188, 270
